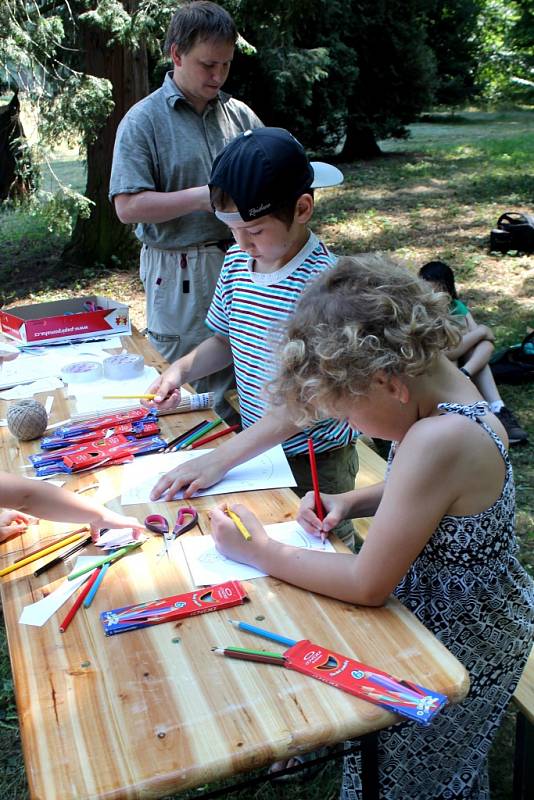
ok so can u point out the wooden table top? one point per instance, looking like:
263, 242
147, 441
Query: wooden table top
153, 711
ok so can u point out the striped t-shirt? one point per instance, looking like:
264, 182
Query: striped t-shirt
248, 308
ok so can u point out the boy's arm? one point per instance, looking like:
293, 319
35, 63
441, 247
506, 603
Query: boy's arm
210, 356
272, 429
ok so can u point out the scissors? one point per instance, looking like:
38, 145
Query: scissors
160, 524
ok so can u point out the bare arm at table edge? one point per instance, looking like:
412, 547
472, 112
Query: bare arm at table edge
272, 429
154, 207
51, 502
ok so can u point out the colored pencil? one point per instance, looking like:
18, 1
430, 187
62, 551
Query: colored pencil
198, 434
94, 588
60, 559
274, 637
79, 600
243, 530
185, 435
315, 481
250, 655
213, 436
112, 557
128, 396
59, 539
36, 556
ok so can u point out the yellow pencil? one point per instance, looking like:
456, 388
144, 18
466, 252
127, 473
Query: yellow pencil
128, 396
41, 553
239, 525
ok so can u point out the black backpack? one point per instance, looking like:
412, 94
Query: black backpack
514, 231
515, 364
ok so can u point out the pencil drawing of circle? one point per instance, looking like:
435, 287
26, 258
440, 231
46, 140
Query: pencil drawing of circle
212, 556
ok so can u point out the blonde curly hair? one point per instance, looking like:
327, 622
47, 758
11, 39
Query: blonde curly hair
366, 314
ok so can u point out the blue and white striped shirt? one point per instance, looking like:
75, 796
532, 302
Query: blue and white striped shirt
248, 308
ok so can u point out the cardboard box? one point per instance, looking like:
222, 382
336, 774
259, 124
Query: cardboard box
76, 319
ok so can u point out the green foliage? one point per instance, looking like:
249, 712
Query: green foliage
79, 109
506, 36
452, 35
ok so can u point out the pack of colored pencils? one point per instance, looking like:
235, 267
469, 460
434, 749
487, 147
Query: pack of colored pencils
400, 696
154, 612
371, 684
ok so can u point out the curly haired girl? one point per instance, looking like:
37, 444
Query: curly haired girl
366, 344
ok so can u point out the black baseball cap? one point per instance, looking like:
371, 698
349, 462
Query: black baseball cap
265, 168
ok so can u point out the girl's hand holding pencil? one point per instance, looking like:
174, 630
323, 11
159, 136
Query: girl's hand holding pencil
229, 526
335, 507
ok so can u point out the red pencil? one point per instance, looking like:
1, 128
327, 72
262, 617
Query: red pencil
315, 480
79, 600
213, 436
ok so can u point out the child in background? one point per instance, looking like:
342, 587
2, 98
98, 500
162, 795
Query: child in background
367, 343
475, 350
262, 188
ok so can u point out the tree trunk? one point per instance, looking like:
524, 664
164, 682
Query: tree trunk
16, 174
360, 143
96, 239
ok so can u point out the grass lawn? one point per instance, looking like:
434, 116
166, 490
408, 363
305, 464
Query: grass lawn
433, 196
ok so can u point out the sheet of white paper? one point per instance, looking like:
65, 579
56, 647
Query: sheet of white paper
90, 396
46, 362
40, 612
116, 537
270, 470
29, 389
207, 566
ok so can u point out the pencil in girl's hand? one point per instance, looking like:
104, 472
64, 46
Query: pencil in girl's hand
315, 481
260, 656
213, 436
243, 530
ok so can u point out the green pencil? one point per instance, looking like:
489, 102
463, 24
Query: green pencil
113, 557
198, 434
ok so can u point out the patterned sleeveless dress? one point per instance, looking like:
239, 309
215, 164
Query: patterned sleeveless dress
469, 589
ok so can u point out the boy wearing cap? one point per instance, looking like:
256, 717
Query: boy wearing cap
261, 186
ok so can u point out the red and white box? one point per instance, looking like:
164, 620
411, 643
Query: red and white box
66, 320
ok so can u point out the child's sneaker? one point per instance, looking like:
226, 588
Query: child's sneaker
516, 434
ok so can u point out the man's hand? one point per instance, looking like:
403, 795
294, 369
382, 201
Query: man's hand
167, 390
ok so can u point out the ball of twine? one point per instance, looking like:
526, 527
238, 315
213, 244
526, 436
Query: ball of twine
27, 419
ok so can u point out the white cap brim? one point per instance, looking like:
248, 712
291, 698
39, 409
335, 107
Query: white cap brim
325, 175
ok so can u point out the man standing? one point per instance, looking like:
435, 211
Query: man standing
164, 151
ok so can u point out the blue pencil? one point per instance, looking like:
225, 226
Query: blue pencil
89, 599
274, 637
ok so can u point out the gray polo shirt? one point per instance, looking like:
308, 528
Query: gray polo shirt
164, 145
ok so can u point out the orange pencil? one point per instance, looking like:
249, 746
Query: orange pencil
315, 481
79, 600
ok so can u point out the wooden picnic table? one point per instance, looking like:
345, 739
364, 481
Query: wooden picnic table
152, 712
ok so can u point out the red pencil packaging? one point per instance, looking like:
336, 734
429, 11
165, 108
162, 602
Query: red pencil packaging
200, 601
371, 684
